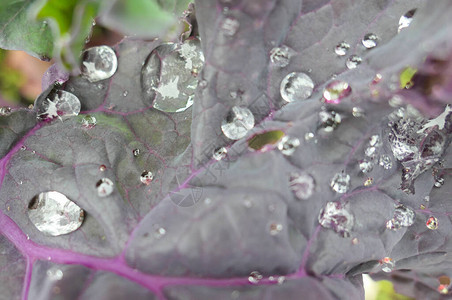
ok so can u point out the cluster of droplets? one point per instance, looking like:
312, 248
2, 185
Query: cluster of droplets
403, 217
372, 156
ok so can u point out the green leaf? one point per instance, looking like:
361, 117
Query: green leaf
71, 22
19, 32
142, 18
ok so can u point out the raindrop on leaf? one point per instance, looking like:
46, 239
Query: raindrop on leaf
237, 123
99, 63
104, 187
296, 86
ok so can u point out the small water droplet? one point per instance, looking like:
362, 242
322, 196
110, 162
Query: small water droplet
366, 165
329, 120
89, 121
207, 201
406, 19
336, 216
99, 63
370, 40
202, 84
136, 152
220, 153
102, 168
355, 241
357, 112
57, 104
427, 198
5, 111
385, 161
104, 187
54, 274
288, 145
403, 217
387, 264
125, 93
248, 203
368, 181
340, 183
432, 223
280, 56
302, 185
146, 177
230, 26
23, 148
370, 152
255, 277
237, 123
309, 136
375, 140
341, 49
439, 181
353, 62
296, 86
159, 232
54, 214
335, 91
275, 228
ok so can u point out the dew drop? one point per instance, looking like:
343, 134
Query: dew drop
230, 26
403, 217
355, 241
375, 140
340, 183
57, 104
89, 121
99, 63
296, 86
275, 228
159, 232
288, 145
385, 161
369, 181
237, 123
329, 120
366, 166
341, 49
136, 152
255, 277
54, 274
54, 214
146, 177
370, 152
102, 168
220, 153
125, 93
202, 84
336, 216
280, 56
302, 185
439, 181
104, 187
23, 148
309, 136
5, 111
335, 91
370, 40
406, 19
432, 223
353, 62
387, 264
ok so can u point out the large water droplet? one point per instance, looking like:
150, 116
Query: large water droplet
99, 63
89, 121
406, 19
387, 264
342, 48
340, 183
169, 75
220, 153
296, 86
353, 62
237, 123
280, 56
302, 185
329, 120
54, 214
255, 277
104, 187
370, 40
432, 223
230, 26
337, 217
403, 217
335, 91
288, 145
57, 104
146, 177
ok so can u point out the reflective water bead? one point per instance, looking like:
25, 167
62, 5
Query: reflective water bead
255, 277
102, 168
340, 183
375, 140
57, 104
159, 232
23, 148
385, 161
125, 93
342, 48
357, 112
237, 123
368, 181
336, 216
220, 153
89, 121
54, 274
136, 152
432, 223
5, 111
146, 177
403, 217
280, 56
309, 136
288, 145
387, 264
275, 228
335, 91
355, 241
353, 62
370, 40
296, 86
104, 187
302, 185
54, 214
329, 120
406, 19
366, 165
230, 26
370, 151
439, 181
99, 63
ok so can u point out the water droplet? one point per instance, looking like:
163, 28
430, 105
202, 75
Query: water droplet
159, 232
23, 147
406, 19
99, 63
355, 241
385, 161
340, 183
254, 277
370, 40
104, 187
302, 185
439, 181
237, 123
89, 121
403, 217
387, 264
136, 152
337, 217
375, 140
146, 177
54, 274
5, 111
57, 104
220, 153
54, 214
169, 75
248, 203
368, 181
432, 223
230, 26
288, 145
275, 228
366, 165
202, 84
125, 93
309, 136
329, 120
280, 56
296, 86
335, 91
370, 152
102, 168
342, 48
353, 62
